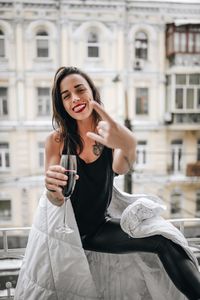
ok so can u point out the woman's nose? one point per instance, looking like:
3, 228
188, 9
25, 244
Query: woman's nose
75, 98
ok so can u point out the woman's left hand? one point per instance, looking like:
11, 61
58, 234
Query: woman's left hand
109, 132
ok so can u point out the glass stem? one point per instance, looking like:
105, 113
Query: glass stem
65, 201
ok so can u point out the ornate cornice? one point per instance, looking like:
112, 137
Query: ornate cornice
132, 8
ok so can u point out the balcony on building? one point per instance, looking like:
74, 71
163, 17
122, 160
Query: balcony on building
183, 43
183, 75
193, 169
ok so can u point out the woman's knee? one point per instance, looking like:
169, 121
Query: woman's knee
162, 244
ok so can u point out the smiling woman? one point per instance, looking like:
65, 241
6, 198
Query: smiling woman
103, 148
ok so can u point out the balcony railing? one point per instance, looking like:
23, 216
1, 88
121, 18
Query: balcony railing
183, 118
6, 253
187, 118
193, 169
12, 259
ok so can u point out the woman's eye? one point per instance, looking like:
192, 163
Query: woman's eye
66, 97
81, 90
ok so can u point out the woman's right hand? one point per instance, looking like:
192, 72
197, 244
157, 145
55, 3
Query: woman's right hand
55, 180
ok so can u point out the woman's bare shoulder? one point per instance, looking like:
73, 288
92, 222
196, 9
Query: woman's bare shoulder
54, 141
54, 137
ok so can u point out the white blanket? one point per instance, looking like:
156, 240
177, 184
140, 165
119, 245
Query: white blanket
56, 267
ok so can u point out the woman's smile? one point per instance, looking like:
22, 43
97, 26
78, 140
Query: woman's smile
79, 107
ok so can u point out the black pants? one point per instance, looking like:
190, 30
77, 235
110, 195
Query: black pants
110, 238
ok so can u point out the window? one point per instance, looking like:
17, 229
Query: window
176, 200
141, 101
179, 98
198, 203
181, 79
198, 98
183, 39
141, 153
198, 150
41, 154
43, 96
176, 155
194, 79
2, 44
42, 44
5, 210
3, 102
93, 44
185, 92
141, 45
4, 156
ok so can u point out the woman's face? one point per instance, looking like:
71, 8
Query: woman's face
76, 96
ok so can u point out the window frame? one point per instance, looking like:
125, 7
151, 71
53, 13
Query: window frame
139, 97
4, 99
176, 192
9, 219
177, 156
41, 154
173, 86
93, 44
42, 35
141, 52
198, 150
2, 38
43, 101
141, 153
197, 209
4, 151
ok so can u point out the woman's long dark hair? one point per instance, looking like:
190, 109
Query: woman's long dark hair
61, 120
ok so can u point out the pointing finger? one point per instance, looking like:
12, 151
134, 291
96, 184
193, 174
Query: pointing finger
101, 111
96, 137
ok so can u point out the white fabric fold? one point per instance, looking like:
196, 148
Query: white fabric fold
56, 267
142, 218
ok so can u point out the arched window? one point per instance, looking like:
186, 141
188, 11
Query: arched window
141, 45
42, 44
2, 44
176, 201
93, 44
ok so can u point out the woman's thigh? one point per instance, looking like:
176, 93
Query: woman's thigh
110, 238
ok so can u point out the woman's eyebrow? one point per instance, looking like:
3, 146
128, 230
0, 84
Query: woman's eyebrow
80, 84
64, 92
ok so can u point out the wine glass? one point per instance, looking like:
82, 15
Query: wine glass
68, 161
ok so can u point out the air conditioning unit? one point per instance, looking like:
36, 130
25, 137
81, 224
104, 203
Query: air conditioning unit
168, 118
138, 64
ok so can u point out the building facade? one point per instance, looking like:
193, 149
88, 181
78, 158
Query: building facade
144, 57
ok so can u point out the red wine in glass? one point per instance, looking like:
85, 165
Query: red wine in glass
69, 187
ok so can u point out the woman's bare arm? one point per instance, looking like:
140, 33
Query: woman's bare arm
54, 173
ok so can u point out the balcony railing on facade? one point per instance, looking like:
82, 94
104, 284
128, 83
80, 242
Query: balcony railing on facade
184, 118
17, 254
189, 170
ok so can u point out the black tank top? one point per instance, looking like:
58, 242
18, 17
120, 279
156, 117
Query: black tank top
93, 192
